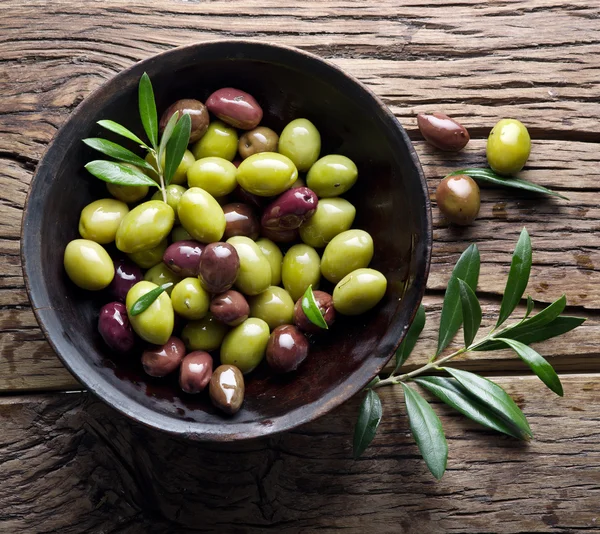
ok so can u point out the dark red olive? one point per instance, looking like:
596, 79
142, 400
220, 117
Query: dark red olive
227, 388
197, 112
127, 274
280, 236
230, 308
183, 257
219, 266
290, 209
287, 349
254, 201
325, 303
443, 132
160, 360
235, 107
195, 371
114, 327
240, 220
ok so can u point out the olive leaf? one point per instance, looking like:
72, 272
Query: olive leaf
177, 145
146, 300
116, 151
467, 269
373, 382
147, 107
493, 396
115, 127
518, 277
411, 337
166, 135
547, 315
117, 173
539, 365
312, 310
451, 392
489, 176
427, 431
530, 305
369, 416
471, 312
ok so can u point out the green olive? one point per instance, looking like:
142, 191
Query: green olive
254, 275
244, 345
333, 216
155, 323
345, 253
204, 334
145, 226
274, 306
301, 142
174, 194
274, 256
88, 265
508, 146
149, 257
220, 141
301, 268
201, 215
179, 233
331, 176
214, 175
160, 274
189, 299
100, 220
359, 291
127, 193
180, 174
266, 174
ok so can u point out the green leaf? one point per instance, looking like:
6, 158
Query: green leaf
518, 277
527, 335
177, 145
146, 300
427, 430
547, 315
373, 382
538, 364
471, 312
530, 305
166, 135
115, 127
450, 391
147, 107
493, 396
467, 269
410, 339
369, 417
117, 173
312, 310
489, 176
116, 151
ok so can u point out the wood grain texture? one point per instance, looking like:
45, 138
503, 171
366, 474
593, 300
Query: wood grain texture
71, 464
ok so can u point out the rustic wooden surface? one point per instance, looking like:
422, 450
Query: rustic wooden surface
70, 464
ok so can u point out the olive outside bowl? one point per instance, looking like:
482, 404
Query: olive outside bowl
392, 205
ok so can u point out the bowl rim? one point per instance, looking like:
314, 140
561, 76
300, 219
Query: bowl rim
249, 429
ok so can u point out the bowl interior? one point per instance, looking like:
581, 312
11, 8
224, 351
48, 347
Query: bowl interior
391, 202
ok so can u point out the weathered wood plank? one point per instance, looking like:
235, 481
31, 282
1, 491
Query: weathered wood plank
71, 464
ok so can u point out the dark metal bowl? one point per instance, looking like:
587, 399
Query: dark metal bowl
390, 196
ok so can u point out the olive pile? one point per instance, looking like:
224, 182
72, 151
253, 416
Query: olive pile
239, 240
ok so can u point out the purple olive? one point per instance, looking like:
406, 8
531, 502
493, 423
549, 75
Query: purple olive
325, 303
160, 360
443, 132
254, 201
197, 112
230, 308
114, 327
235, 107
127, 274
240, 220
219, 266
290, 209
195, 371
287, 349
280, 236
227, 388
183, 257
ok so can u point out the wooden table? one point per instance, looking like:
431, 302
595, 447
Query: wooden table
70, 464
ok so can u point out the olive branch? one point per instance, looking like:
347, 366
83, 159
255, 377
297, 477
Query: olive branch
474, 396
